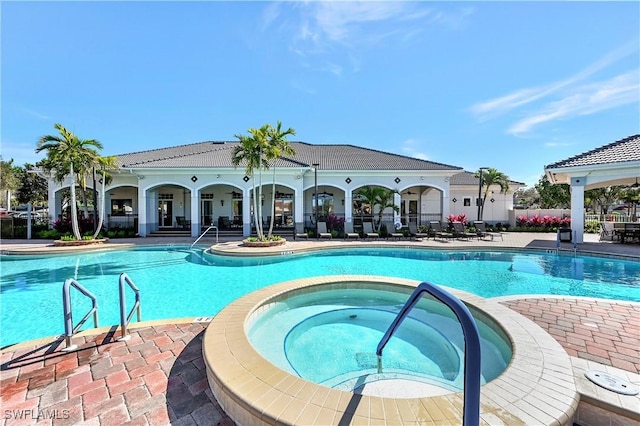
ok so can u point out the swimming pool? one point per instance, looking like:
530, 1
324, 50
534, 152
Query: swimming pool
178, 282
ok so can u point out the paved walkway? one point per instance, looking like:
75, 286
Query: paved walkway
157, 377
592, 329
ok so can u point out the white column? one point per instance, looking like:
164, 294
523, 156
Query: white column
577, 208
246, 212
348, 205
299, 205
445, 207
142, 213
397, 199
195, 213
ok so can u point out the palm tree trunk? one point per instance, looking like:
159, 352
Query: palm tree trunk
273, 204
99, 226
74, 207
255, 208
260, 231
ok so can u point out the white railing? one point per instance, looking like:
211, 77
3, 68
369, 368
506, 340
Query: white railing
623, 218
203, 234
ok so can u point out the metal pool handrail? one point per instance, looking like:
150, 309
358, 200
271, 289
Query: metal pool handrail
203, 234
69, 329
124, 318
472, 365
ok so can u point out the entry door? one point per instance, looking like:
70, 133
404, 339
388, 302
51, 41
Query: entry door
207, 212
165, 213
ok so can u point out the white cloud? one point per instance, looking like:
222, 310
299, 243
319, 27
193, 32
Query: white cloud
412, 148
34, 113
20, 152
567, 97
585, 100
345, 29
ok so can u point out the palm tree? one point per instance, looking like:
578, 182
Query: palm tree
278, 146
492, 177
386, 200
68, 155
251, 151
378, 196
105, 164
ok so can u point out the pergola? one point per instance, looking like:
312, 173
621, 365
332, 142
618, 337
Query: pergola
617, 163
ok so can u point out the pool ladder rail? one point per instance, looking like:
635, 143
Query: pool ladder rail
70, 329
472, 364
203, 234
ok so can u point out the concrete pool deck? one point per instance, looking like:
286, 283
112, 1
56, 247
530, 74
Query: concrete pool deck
158, 377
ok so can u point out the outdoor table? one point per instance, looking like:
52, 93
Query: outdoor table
630, 231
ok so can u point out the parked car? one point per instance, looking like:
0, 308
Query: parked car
25, 215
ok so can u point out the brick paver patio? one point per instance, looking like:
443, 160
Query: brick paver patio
596, 330
157, 377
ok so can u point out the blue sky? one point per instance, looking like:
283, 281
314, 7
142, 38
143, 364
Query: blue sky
510, 85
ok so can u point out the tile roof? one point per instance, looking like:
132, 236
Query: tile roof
627, 149
330, 157
469, 178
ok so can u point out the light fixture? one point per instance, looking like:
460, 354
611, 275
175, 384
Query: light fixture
222, 203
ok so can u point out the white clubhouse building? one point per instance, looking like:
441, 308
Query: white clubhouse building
195, 186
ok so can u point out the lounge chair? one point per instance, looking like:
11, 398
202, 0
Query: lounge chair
300, 232
607, 231
481, 230
437, 231
322, 230
348, 231
459, 231
415, 233
391, 231
367, 229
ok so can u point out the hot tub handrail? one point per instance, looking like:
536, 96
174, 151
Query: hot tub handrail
124, 318
69, 329
472, 365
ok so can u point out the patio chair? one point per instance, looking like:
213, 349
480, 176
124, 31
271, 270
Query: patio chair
300, 232
415, 233
183, 223
459, 231
437, 231
348, 231
481, 230
224, 222
607, 231
367, 229
322, 230
391, 231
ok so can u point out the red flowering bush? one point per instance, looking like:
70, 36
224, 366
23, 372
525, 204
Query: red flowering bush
335, 223
547, 222
462, 218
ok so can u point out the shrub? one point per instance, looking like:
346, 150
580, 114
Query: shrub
547, 223
48, 234
462, 218
335, 223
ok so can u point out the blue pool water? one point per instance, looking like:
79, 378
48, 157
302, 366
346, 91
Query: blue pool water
176, 282
301, 333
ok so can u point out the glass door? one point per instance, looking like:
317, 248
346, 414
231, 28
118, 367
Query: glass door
206, 207
165, 213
